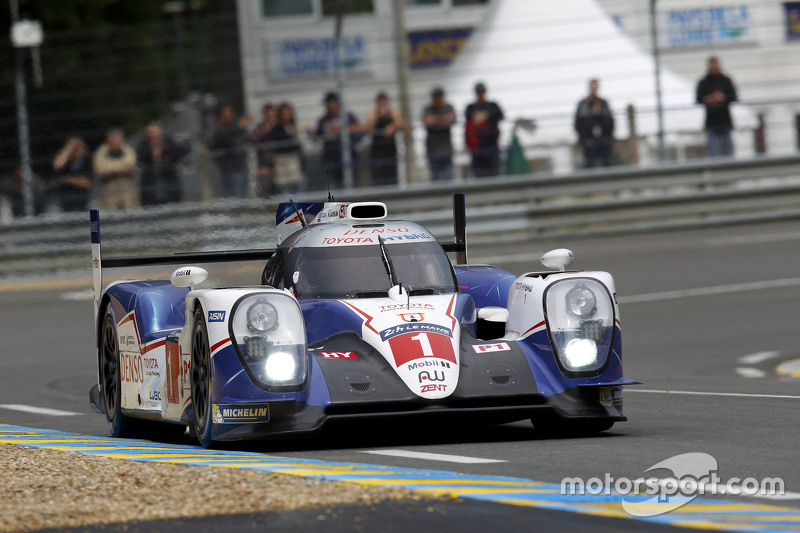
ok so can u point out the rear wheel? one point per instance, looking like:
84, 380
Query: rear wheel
201, 380
118, 424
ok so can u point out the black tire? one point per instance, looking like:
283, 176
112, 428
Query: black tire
111, 385
201, 381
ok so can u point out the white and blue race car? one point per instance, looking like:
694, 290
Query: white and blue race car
355, 317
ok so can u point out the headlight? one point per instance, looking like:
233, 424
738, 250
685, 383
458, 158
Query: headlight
581, 301
262, 316
275, 358
580, 320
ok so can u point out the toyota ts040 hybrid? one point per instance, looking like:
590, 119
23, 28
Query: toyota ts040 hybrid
355, 316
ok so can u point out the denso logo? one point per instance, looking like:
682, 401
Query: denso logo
428, 362
431, 376
216, 316
130, 368
433, 388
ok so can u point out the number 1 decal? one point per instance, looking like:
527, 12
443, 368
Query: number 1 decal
422, 338
417, 345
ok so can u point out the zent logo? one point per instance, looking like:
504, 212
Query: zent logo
498, 347
338, 355
433, 388
216, 316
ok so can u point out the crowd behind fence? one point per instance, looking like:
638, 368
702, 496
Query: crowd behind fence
106, 135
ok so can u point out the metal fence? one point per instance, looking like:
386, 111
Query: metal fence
510, 209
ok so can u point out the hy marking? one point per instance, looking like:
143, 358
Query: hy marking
37, 410
705, 513
433, 456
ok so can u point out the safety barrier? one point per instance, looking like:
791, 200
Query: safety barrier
505, 209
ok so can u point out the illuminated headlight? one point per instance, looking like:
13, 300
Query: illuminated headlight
580, 354
581, 301
580, 320
280, 367
262, 316
276, 358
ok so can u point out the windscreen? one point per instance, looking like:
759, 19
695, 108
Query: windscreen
359, 271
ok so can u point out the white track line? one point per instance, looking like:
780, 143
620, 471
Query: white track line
709, 291
760, 357
433, 456
37, 410
700, 393
749, 372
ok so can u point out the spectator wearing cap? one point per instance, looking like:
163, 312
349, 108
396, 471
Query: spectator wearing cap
482, 133
438, 118
329, 129
113, 165
383, 122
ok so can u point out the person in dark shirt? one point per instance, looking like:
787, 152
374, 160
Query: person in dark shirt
158, 156
438, 118
594, 124
383, 122
482, 134
716, 92
329, 129
288, 154
229, 152
73, 168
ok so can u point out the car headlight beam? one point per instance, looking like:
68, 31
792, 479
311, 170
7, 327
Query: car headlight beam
580, 322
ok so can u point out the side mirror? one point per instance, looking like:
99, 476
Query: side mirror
558, 259
493, 314
188, 276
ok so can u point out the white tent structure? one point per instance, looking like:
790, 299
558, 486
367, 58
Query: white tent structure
536, 58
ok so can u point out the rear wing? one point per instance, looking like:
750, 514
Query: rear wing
458, 246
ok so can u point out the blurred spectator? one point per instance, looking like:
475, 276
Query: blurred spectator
383, 122
595, 126
228, 150
113, 165
158, 156
288, 171
716, 92
73, 168
13, 188
438, 117
265, 155
482, 134
329, 128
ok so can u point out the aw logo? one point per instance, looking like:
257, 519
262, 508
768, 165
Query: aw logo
434, 375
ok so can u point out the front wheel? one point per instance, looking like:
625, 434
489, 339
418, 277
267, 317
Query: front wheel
201, 381
118, 424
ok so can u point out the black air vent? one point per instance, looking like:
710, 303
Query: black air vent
359, 383
500, 376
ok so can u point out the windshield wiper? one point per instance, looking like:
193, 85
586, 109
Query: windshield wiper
387, 262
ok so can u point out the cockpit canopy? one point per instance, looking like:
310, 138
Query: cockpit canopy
343, 261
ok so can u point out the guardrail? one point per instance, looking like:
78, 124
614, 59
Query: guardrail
612, 200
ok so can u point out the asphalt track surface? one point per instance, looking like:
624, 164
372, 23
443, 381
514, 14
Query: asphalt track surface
706, 314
